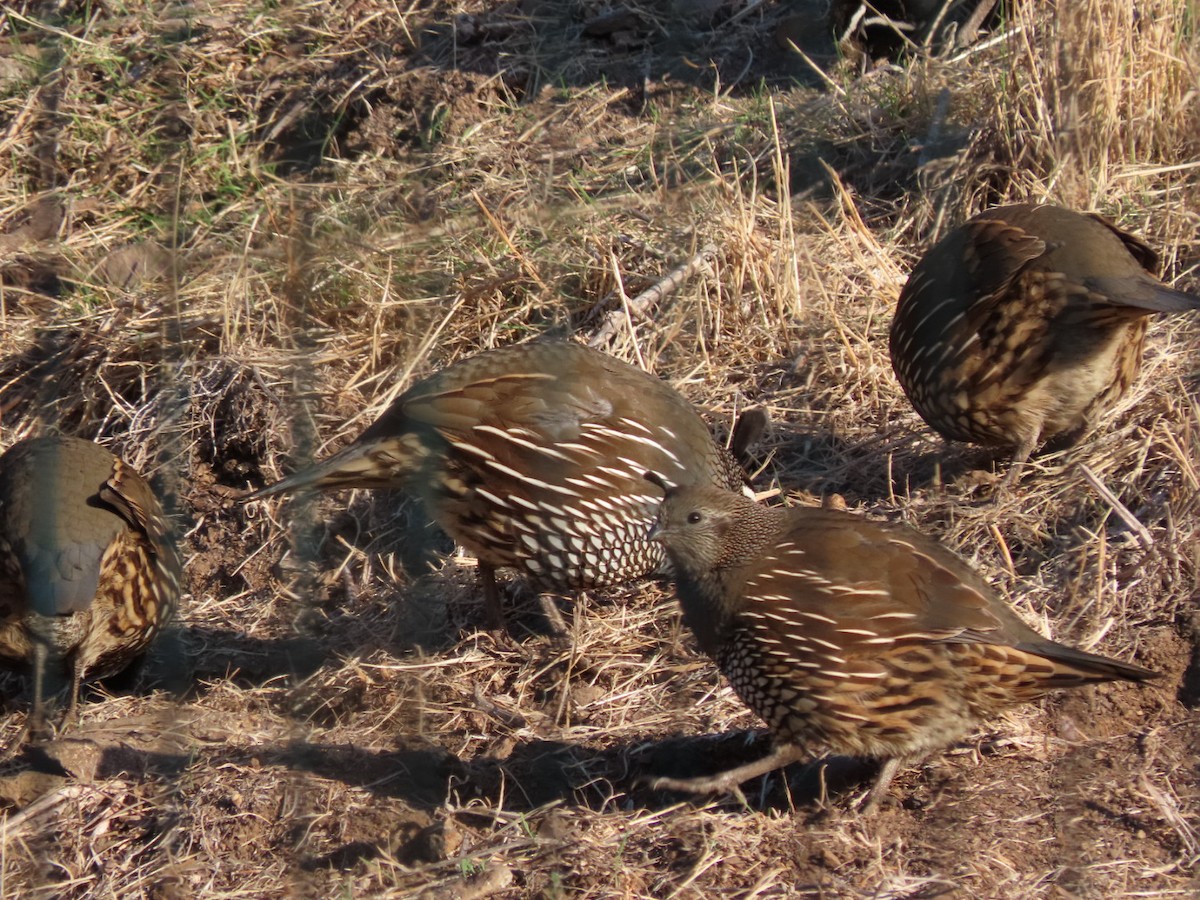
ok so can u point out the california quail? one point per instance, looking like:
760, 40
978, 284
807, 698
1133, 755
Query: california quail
532, 456
865, 638
1023, 324
89, 572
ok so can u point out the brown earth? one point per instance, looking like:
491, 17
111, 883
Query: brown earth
231, 233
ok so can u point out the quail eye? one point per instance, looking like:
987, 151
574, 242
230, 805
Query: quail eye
694, 518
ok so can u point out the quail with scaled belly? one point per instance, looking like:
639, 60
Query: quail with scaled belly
532, 457
863, 638
89, 572
1024, 324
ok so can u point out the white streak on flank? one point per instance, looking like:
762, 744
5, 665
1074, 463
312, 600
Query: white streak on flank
997, 367
823, 643
969, 342
535, 482
806, 574
859, 591
470, 449
768, 615
634, 424
579, 448
816, 617
895, 615
933, 311
599, 504
590, 481
647, 442
842, 714
513, 438
779, 598
493, 498
620, 474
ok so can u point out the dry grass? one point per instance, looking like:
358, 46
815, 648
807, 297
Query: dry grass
231, 236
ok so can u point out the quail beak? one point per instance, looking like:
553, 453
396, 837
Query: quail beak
660, 531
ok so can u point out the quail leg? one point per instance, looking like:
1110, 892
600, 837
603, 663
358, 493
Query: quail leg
35, 726
76, 683
882, 781
729, 780
491, 597
496, 619
1020, 456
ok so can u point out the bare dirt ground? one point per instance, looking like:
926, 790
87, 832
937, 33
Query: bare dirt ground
231, 233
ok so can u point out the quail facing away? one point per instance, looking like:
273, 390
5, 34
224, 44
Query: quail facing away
865, 638
89, 572
1023, 324
532, 457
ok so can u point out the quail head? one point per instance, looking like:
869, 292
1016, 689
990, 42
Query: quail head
1024, 324
89, 572
864, 638
532, 457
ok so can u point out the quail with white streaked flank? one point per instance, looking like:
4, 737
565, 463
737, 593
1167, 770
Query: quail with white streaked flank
863, 638
532, 457
1024, 324
89, 571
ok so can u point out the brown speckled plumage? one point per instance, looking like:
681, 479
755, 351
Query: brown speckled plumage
1024, 324
864, 638
89, 572
532, 457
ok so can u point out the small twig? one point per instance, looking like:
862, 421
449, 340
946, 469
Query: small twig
934, 135
615, 266
829, 82
1004, 551
1141, 531
747, 10
503, 234
11, 824
647, 298
970, 28
507, 717
985, 44
491, 880
936, 24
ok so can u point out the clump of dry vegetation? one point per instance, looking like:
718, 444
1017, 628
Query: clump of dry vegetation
230, 234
